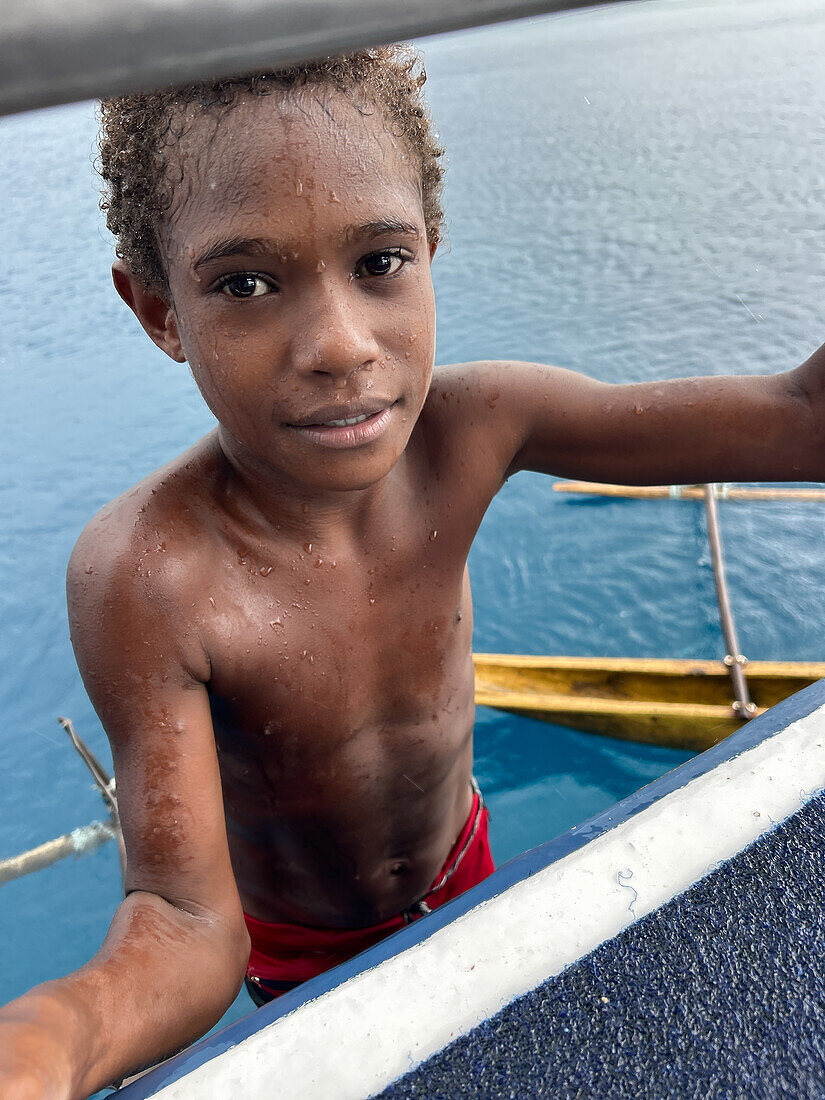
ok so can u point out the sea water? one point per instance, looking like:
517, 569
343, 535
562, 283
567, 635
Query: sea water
635, 192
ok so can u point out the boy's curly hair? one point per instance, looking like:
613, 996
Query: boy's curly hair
138, 133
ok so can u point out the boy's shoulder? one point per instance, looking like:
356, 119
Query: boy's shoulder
484, 405
468, 381
489, 383
150, 540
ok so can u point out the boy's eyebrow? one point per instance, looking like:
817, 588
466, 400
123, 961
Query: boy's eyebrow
235, 246
257, 246
383, 226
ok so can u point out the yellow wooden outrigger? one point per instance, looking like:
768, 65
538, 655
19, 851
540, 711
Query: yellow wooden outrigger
678, 703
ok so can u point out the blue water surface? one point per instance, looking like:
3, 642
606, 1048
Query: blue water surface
636, 192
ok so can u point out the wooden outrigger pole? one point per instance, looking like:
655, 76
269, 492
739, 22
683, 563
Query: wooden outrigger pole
75, 843
721, 491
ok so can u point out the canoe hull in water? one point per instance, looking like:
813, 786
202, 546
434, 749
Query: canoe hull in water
677, 703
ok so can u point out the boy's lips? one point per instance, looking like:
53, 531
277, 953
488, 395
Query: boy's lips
347, 426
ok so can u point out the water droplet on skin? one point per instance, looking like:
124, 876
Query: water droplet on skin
306, 581
433, 536
304, 507
372, 599
89, 569
299, 187
308, 547
212, 602
275, 622
638, 409
319, 562
333, 197
320, 266
265, 570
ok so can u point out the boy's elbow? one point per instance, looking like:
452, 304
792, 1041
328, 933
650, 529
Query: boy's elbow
804, 392
238, 953
211, 956
229, 955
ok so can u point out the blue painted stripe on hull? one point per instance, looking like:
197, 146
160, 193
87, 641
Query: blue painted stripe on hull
522, 867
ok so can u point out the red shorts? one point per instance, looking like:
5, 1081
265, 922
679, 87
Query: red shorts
284, 955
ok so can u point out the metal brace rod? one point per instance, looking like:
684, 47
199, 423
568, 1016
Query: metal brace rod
734, 659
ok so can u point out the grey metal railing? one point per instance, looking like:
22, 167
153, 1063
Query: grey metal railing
56, 51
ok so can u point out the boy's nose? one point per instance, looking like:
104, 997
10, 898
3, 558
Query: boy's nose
337, 339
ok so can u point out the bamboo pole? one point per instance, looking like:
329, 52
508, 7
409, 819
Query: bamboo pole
75, 843
721, 491
735, 660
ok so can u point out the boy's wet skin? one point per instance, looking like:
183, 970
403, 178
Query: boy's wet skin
318, 572
295, 592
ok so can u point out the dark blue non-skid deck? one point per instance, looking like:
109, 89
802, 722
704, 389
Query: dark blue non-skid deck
718, 994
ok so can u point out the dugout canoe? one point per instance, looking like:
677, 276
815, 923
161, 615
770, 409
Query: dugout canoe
681, 704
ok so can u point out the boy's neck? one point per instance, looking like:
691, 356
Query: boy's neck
264, 498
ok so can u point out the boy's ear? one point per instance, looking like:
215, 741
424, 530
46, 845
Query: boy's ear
153, 311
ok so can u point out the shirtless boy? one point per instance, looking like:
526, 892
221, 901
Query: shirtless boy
275, 628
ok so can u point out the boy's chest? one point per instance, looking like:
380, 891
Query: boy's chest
314, 640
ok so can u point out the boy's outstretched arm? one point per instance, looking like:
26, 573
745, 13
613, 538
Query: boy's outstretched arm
683, 431
175, 954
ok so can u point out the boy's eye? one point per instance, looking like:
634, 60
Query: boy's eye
245, 285
387, 262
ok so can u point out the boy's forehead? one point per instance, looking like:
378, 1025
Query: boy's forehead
301, 151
